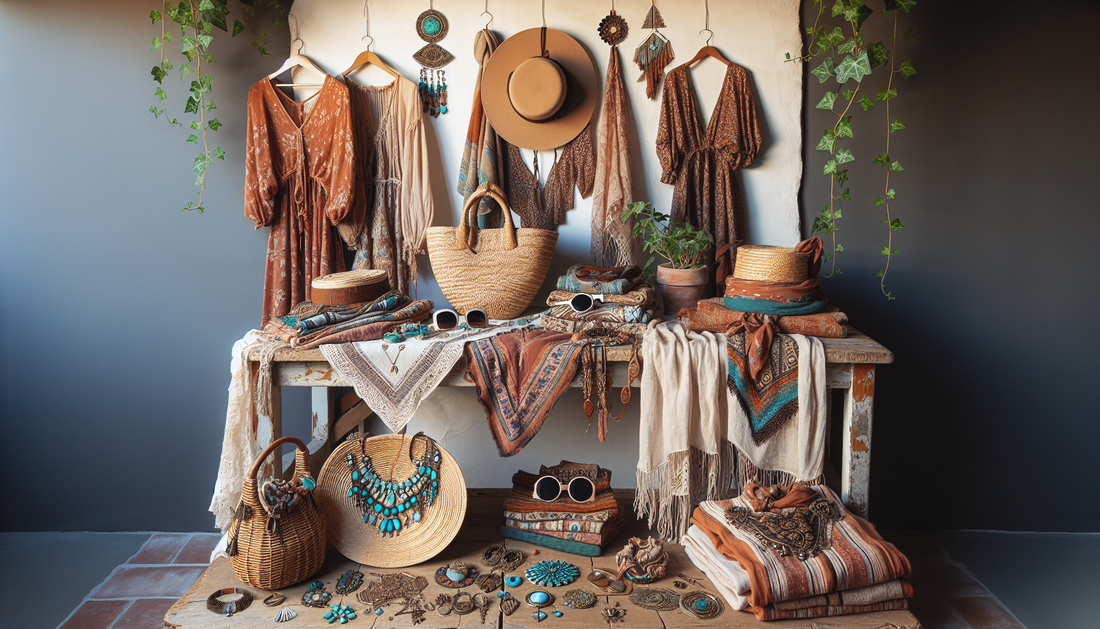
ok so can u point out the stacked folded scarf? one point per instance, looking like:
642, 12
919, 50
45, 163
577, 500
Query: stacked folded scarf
308, 325
578, 527
628, 301
712, 317
595, 280
781, 298
796, 552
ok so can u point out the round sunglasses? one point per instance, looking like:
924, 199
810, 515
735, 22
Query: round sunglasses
581, 302
549, 488
448, 319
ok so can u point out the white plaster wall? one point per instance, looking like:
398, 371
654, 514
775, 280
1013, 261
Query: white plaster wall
753, 33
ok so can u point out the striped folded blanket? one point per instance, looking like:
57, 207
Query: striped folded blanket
570, 526
596, 539
558, 516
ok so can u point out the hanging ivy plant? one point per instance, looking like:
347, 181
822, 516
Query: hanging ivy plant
197, 20
858, 60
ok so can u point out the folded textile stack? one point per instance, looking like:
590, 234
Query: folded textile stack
710, 315
777, 280
626, 301
581, 520
796, 552
308, 324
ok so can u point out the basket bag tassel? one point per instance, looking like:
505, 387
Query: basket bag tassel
279, 539
501, 272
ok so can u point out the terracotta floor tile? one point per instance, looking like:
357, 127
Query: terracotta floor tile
983, 612
933, 614
160, 549
95, 615
198, 549
949, 579
917, 546
149, 581
145, 613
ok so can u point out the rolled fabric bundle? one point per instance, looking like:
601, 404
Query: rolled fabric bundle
711, 317
611, 313
594, 280
641, 295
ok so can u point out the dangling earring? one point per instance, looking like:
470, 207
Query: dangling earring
424, 96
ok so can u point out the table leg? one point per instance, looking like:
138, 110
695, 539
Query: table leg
266, 429
324, 413
855, 473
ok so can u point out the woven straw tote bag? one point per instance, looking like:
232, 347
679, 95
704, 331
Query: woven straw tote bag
499, 270
270, 552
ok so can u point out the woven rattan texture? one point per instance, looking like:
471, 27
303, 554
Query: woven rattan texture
764, 263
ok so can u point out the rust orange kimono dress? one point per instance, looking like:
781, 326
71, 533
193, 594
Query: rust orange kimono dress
299, 178
702, 163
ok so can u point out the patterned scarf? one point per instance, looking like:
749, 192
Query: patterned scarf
768, 389
482, 153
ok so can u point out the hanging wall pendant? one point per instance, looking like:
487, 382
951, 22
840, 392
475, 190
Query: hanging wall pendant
432, 26
654, 54
613, 29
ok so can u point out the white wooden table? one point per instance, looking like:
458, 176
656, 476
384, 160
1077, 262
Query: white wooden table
850, 367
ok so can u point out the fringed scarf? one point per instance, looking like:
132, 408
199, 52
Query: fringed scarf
612, 242
482, 153
763, 373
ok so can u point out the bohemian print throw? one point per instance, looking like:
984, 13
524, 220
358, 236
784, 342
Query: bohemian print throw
771, 399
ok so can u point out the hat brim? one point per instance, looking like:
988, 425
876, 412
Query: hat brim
363, 542
577, 111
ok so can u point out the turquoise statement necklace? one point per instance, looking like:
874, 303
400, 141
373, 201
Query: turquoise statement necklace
393, 505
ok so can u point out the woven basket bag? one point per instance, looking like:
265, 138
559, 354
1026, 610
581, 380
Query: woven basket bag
270, 554
500, 272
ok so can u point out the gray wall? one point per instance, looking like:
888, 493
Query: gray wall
117, 311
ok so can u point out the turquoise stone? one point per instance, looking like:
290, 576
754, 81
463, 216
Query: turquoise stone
377, 508
513, 581
373, 518
412, 500
433, 476
700, 604
432, 26
539, 616
401, 508
378, 612
442, 109
385, 511
539, 597
351, 492
422, 469
558, 614
397, 525
370, 501
354, 475
308, 483
389, 499
416, 517
454, 576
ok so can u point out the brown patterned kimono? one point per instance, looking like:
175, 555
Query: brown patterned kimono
299, 177
702, 164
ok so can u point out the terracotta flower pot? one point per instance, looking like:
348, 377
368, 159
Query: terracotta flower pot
681, 288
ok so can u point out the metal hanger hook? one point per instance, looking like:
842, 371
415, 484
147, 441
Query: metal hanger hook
490, 15
366, 26
297, 35
710, 36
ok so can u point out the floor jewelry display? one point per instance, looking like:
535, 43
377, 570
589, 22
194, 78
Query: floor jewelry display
606, 583
341, 614
613, 615
348, 582
701, 605
578, 599
390, 587
316, 596
553, 573
657, 599
500, 558
458, 574
508, 604
241, 603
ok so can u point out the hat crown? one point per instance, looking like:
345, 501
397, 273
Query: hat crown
537, 89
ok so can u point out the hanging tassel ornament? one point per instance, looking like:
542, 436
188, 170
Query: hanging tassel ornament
432, 26
425, 94
654, 54
442, 91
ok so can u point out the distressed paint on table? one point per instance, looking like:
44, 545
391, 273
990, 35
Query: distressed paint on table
480, 528
850, 366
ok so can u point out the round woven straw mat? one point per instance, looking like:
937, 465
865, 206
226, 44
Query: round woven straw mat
767, 263
363, 542
349, 278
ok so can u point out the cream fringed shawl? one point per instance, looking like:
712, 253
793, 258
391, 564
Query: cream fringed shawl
683, 455
612, 242
239, 447
695, 442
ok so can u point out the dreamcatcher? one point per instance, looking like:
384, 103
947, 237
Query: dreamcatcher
654, 54
432, 26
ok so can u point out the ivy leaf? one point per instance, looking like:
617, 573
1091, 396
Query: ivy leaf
829, 39
194, 139
904, 5
167, 37
199, 165
895, 225
910, 35
878, 201
866, 102
204, 40
210, 106
896, 167
857, 13
882, 160
825, 70
208, 58
907, 69
848, 94
195, 125
885, 251
153, 110
896, 125
844, 127
158, 74
851, 68
886, 94
838, 212
214, 13
890, 194
155, 44
847, 47
879, 55
840, 248
220, 154
188, 44
895, 252
155, 16
192, 106
214, 124
830, 167
838, 8
238, 27
843, 156
846, 195
827, 101
879, 274
828, 141
841, 177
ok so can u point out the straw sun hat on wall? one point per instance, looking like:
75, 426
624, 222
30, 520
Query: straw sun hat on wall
539, 89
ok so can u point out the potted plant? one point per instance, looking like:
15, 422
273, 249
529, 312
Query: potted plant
684, 277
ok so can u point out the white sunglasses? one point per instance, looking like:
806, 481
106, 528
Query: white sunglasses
448, 319
581, 302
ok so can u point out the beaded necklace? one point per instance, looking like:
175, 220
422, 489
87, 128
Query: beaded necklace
393, 505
